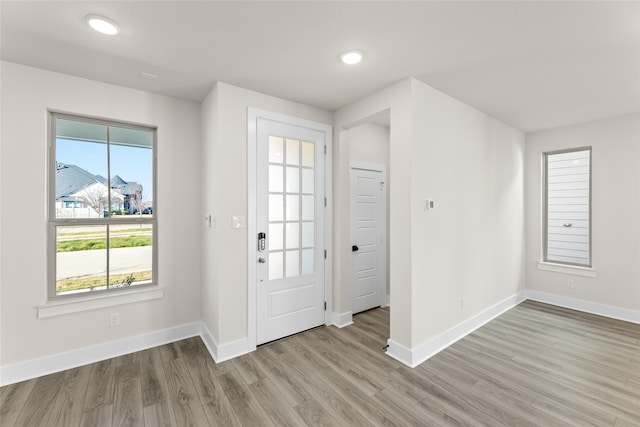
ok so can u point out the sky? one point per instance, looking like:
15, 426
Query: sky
130, 163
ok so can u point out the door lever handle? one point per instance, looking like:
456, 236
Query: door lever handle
354, 248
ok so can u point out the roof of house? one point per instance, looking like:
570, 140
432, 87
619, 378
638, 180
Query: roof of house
70, 179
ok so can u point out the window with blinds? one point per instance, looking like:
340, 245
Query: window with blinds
568, 207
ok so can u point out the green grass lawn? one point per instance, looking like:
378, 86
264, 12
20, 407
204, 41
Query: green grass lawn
97, 281
114, 242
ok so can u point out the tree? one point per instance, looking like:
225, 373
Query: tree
96, 196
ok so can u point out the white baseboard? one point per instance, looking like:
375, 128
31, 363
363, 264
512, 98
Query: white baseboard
401, 353
420, 353
17, 372
625, 314
223, 352
386, 301
342, 320
22, 371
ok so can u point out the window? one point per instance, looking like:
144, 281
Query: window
567, 225
102, 218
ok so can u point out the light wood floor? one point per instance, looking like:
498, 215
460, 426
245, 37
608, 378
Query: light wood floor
534, 365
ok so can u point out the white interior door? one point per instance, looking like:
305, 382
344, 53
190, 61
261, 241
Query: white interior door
368, 226
290, 289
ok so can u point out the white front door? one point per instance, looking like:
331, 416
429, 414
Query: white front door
290, 288
368, 226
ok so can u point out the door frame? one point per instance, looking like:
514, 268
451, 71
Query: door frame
253, 114
384, 297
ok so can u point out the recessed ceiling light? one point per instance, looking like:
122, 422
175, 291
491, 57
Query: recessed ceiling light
351, 57
102, 25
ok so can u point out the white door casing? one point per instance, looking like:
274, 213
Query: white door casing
288, 279
368, 236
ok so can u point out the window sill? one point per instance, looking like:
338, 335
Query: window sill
568, 269
67, 306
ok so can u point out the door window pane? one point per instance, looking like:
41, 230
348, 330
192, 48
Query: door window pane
307, 261
275, 265
275, 179
293, 235
293, 152
275, 207
293, 207
275, 236
276, 150
308, 207
308, 154
293, 180
293, 263
308, 231
308, 181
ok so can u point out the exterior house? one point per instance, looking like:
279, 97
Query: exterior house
131, 193
79, 193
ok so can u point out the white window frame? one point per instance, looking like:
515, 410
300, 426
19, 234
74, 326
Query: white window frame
545, 219
54, 222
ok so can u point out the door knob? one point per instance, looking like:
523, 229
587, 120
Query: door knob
354, 248
262, 260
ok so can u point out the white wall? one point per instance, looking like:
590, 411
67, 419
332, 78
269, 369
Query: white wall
224, 118
615, 224
369, 143
27, 94
471, 245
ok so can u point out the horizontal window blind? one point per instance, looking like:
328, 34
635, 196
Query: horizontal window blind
568, 207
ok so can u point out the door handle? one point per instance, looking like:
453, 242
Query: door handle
262, 260
354, 248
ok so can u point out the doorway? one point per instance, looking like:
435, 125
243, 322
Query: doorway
287, 234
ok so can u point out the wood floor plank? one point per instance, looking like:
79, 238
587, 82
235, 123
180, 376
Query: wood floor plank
340, 361
159, 415
289, 386
314, 415
68, 406
519, 409
214, 401
275, 404
152, 378
13, 400
248, 368
98, 417
244, 404
170, 351
39, 405
185, 401
378, 415
331, 401
128, 410
101, 388
401, 409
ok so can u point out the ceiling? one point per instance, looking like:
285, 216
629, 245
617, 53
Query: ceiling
534, 65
